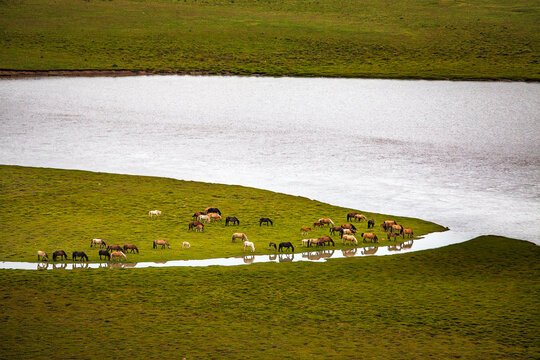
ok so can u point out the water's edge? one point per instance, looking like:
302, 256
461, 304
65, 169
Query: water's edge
426, 242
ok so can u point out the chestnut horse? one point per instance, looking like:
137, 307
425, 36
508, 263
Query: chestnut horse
59, 253
371, 236
359, 217
325, 239
118, 255
114, 248
161, 243
304, 230
408, 232
326, 221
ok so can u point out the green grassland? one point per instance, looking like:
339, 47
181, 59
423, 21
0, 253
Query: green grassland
462, 39
475, 300
50, 209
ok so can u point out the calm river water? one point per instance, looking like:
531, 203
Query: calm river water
463, 154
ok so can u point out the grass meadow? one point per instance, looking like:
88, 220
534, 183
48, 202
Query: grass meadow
51, 209
475, 300
429, 39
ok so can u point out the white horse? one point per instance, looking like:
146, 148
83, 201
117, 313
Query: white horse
154, 213
350, 238
249, 244
96, 242
186, 245
305, 242
239, 236
204, 218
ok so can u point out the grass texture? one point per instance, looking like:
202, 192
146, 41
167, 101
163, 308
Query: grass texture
461, 39
50, 209
475, 300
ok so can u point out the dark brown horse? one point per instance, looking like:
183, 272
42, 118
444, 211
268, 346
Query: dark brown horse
285, 245
391, 235
371, 224
114, 248
272, 245
79, 254
351, 216
323, 240
335, 229
161, 243
209, 210
131, 247
232, 219
265, 221
104, 253
59, 253
194, 224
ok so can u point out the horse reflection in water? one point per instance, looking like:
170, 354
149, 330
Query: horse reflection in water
370, 250
42, 266
120, 265
396, 247
248, 259
349, 252
318, 255
82, 265
286, 257
407, 244
62, 266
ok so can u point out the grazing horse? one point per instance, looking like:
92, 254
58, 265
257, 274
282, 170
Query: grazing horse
359, 217
249, 244
214, 217
272, 245
265, 221
346, 232
118, 255
209, 210
304, 230
285, 245
196, 215
392, 235
232, 219
114, 248
348, 226
59, 253
317, 224
387, 225
371, 224
104, 253
161, 243
152, 213
192, 225
305, 242
325, 239
371, 236
351, 216
96, 242
79, 254
398, 229
326, 221
131, 247
43, 255
350, 238
335, 229
239, 236
199, 228
186, 245
408, 232
204, 218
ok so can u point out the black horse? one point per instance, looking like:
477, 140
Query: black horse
59, 253
370, 224
79, 254
285, 245
213, 210
272, 245
232, 219
266, 221
104, 253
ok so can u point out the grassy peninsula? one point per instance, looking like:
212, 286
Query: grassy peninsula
52, 209
429, 39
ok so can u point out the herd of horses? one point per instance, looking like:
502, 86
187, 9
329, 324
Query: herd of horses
346, 232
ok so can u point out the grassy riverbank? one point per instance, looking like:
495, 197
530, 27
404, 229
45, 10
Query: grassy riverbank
475, 300
50, 209
414, 39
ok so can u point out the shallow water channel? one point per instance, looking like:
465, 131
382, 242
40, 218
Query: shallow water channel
465, 155
429, 241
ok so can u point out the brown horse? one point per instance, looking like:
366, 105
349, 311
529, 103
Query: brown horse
351, 216
391, 235
214, 217
398, 229
199, 228
387, 224
131, 247
194, 224
359, 217
350, 238
370, 236
371, 224
114, 248
59, 253
335, 229
161, 243
408, 232
304, 230
317, 224
326, 221
348, 226
323, 240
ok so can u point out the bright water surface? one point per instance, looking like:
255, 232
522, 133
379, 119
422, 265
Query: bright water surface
462, 154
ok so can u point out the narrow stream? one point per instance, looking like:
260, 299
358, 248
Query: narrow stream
426, 242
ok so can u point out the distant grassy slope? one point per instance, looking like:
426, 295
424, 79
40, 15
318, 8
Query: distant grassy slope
373, 38
48, 209
475, 300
